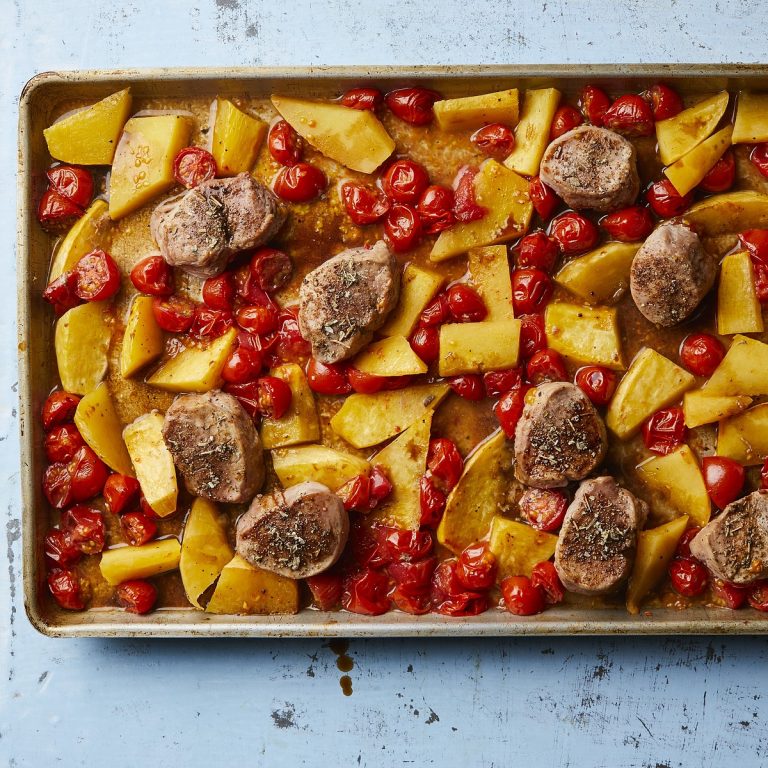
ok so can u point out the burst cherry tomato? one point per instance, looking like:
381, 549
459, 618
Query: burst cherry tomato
724, 479
476, 568
665, 431
300, 183
412, 105
544, 200
413, 577
758, 156
573, 233
327, 378
356, 494
405, 181
721, 176
62, 442
219, 292
533, 336
120, 492
465, 304
546, 365
326, 590
664, 101
174, 314
701, 353
60, 550
363, 98
531, 291
365, 383
732, 595
597, 383
402, 228
537, 250
629, 224
61, 293
758, 596
495, 140
594, 103
499, 382
98, 277
285, 145
566, 119
415, 603
444, 462
688, 576
271, 269
138, 528
56, 212
89, 474
543, 509
509, 409
756, 242
406, 545
260, 319
436, 312
137, 596
76, 184
465, 206
469, 386
59, 408
57, 485
425, 342
210, 323
436, 209
683, 548
192, 166
630, 115
666, 201
65, 588
366, 592
291, 346
86, 527
365, 205
544, 576
154, 276
244, 364
431, 501
521, 597
450, 597
274, 397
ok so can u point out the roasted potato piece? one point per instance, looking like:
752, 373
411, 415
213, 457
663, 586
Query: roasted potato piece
738, 308
476, 111
353, 137
143, 340
505, 195
93, 230
518, 547
417, 288
121, 564
587, 335
81, 341
205, 549
100, 427
532, 132
478, 347
701, 408
687, 172
744, 438
391, 356
237, 138
300, 423
652, 382
751, 123
89, 137
600, 276
743, 370
729, 213
489, 270
317, 463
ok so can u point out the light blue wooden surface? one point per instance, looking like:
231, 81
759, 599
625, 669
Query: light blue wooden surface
592, 702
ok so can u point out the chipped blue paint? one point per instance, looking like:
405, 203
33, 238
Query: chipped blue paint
612, 702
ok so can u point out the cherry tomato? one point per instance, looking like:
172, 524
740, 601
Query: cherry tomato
688, 576
597, 383
62, 442
56, 212
683, 548
327, 378
59, 408
425, 342
366, 593
630, 116
629, 224
521, 597
86, 527
436, 312
758, 156
701, 353
566, 119
405, 181
721, 176
531, 290
664, 101
260, 319
98, 277
444, 462
243, 364
573, 233
356, 494
381, 486
61, 293
326, 590
120, 492
724, 479
544, 200
300, 183
412, 105
271, 269
210, 323
402, 228
154, 276
761, 282
365, 383
546, 365
436, 209
219, 292
509, 409
465, 304
476, 568
65, 588
665, 200
756, 242
76, 184
60, 550
431, 501
174, 314
465, 207
137, 596
291, 346
594, 103
533, 336
543, 509
732, 595
285, 145
469, 386
365, 205
544, 576
665, 431
417, 604
192, 166
495, 140
138, 528
537, 250
363, 98
89, 474
450, 597
274, 397
406, 545
57, 485
758, 596
499, 382
413, 577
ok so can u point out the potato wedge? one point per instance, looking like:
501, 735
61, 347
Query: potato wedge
143, 340
738, 308
476, 111
518, 547
532, 132
243, 589
353, 137
680, 134
701, 408
489, 270
93, 230
744, 438
478, 347
417, 288
366, 420
143, 164
153, 462
237, 139
743, 370
318, 463
205, 549
751, 123
89, 136
588, 335
655, 550
121, 564
652, 382
729, 213
391, 356
81, 341
600, 276
481, 493
687, 172
195, 369
505, 195
300, 423
100, 427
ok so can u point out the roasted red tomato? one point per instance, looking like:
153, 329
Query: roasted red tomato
566, 119
402, 228
274, 397
405, 181
413, 105
66, 589
210, 323
98, 277
665, 431
89, 474
724, 479
425, 342
328, 378
413, 577
86, 527
469, 386
665, 200
533, 335
683, 548
476, 568
758, 596
154, 276
537, 250
732, 595
465, 206
465, 304
192, 166
57, 485
173, 314
365, 383
495, 140
758, 156
701, 353
60, 551
531, 291
721, 176
594, 103
326, 590
545, 365
499, 382
137, 596
574, 233
363, 98
121, 492
521, 597
271, 269
260, 319
431, 501
285, 145
56, 212
138, 528
219, 292
543, 509
544, 200
629, 224
544, 576
244, 364
59, 408
688, 576
450, 597
665, 102
365, 205
405, 544
597, 383
444, 463
62, 442
61, 293
300, 183
436, 312
366, 592
436, 209
630, 115
509, 409
76, 184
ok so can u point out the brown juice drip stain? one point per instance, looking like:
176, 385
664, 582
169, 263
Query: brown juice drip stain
345, 681
344, 663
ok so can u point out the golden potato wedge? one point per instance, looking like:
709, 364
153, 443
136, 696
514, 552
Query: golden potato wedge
518, 547
701, 408
588, 335
744, 438
743, 370
100, 427
476, 111
687, 172
317, 462
751, 123
729, 213
489, 270
237, 138
478, 347
417, 288
143, 340
89, 136
390, 356
738, 308
300, 423
92, 231
600, 276
532, 132
120, 564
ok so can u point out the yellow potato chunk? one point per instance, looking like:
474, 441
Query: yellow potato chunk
676, 479
243, 589
391, 356
518, 547
744, 438
505, 196
237, 138
195, 369
92, 231
300, 423
652, 382
489, 270
89, 137
738, 308
143, 340
353, 137
417, 288
600, 276
366, 420
729, 213
205, 549
81, 341
678, 135
121, 564
701, 408
479, 494
584, 334
532, 132
478, 347
743, 370
687, 172
655, 550
318, 463
153, 462
751, 123
143, 165
476, 111
100, 427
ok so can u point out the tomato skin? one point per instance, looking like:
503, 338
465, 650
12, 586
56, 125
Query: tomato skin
665, 200
364, 205
219, 292
89, 474
724, 479
381, 485
450, 597
756, 242
271, 269
57, 485
758, 596
73, 183
210, 323
405, 545
86, 527
544, 200
402, 228
412, 105
285, 145
688, 576
597, 383
733, 595
328, 378
405, 181
573, 233
594, 103
509, 409
260, 319
465, 304
121, 492
60, 551
153, 276
243, 364
365, 383
192, 166
543, 508
521, 597
436, 312
531, 291
465, 207
62, 442
138, 528
665, 431
630, 116
758, 156
546, 365
566, 119
444, 463
137, 596
65, 588
61, 293
537, 250
431, 501
363, 98
326, 590
55, 212
291, 346
356, 494
425, 342
665, 102
476, 567
59, 408
629, 224
274, 397
300, 183
533, 335
436, 209
495, 140
413, 576
98, 277
721, 176
701, 353
174, 314
683, 548
544, 576
499, 382
469, 386
366, 593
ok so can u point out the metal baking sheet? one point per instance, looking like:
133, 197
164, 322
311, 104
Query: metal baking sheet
42, 99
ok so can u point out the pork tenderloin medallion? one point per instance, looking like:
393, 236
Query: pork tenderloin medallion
297, 533
592, 168
596, 547
344, 300
201, 229
215, 447
560, 437
734, 546
671, 274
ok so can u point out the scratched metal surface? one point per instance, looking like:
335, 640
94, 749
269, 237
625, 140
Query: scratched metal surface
596, 702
